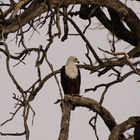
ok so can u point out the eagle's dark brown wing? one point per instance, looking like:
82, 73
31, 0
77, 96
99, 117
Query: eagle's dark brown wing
70, 86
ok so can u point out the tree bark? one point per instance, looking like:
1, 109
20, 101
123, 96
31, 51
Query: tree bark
137, 132
37, 7
65, 120
121, 128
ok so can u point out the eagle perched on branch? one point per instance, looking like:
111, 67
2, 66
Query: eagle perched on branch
71, 77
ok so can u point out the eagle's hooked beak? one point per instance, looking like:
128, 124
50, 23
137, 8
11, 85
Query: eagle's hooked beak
78, 61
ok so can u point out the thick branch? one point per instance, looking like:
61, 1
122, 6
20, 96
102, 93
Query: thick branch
37, 7
119, 29
65, 121
95, 107
33, 11
137, 132
121, 128
115, 25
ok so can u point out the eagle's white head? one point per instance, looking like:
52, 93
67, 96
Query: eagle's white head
71, 68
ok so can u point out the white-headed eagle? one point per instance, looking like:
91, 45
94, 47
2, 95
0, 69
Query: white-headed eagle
71, 77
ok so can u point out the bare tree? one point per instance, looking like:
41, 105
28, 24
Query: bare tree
19, 17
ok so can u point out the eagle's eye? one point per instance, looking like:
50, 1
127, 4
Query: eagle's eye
75, 60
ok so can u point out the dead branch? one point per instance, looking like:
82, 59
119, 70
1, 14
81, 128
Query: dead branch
13, 115
12, 134
84, 38
65, 120
66, 27
41, 84
25, 118
10, 73
17, 7
121, 128
15, 15
95, 107
56, 79
111, 83
94, 126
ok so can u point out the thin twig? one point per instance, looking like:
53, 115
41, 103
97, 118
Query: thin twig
84, 38
13, 115
51, 67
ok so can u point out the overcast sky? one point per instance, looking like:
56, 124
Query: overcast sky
122, 100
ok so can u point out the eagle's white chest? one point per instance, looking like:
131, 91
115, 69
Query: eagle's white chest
71, 71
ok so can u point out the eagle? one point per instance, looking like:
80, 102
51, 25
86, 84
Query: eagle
71, 77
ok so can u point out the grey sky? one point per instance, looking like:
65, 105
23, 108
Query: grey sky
121, 100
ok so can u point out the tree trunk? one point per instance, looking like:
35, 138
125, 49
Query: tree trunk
65, 121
